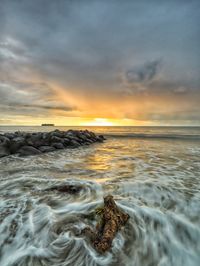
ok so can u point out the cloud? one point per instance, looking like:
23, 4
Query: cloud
22, 97
144, 73
147, 79
181, 90
82, 46
138, 79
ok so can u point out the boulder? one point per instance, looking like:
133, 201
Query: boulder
4, 140
58, 145
102, 137
66, 141
99, 139
10, 135
16, 143
56, 139
4, 151
57, 133
35, 142
46, 148
27, 135
89, 141
74, 143
83, 137
28, 150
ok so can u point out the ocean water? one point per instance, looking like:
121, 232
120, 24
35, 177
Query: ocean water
153, 174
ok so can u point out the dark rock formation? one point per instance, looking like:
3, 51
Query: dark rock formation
24, 143
71, 189
112, 219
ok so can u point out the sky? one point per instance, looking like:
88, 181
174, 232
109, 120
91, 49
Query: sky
100, 62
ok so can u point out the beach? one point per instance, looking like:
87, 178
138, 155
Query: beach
153, 175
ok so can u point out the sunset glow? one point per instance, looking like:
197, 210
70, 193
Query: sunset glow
99, 122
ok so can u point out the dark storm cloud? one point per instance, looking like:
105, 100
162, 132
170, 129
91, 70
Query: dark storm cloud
85, 45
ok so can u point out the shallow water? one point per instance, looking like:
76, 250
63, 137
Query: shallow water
155, 180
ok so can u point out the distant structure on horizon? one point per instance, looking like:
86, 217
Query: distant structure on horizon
47, 125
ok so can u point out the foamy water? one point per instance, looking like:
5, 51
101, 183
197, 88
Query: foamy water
155, 180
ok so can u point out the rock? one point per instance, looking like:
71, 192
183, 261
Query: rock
27, 135
90, 141
4, 140
10, 135
46, 148
66, 141
102, 137
99, 139
45, 135
56, 139
28, 150
47, 141
58, 145
71, 189
4, 151
87, 143
57, 133
74, 143
82, 136
70, 132
112, 219
35, 142
16, 143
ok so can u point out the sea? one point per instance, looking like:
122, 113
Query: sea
153, 174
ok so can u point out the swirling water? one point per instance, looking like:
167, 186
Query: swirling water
154, 179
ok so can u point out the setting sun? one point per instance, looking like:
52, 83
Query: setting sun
99, 122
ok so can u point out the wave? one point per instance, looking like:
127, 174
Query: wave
154, 136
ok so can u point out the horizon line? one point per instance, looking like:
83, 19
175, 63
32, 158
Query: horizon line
99, 126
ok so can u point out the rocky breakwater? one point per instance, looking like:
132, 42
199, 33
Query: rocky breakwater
24, 143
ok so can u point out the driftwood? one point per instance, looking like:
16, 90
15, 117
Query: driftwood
111, 221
